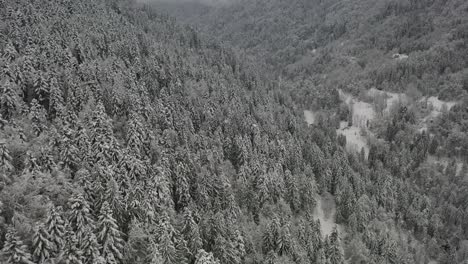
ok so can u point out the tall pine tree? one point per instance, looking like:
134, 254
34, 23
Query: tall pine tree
109, 236
14, 250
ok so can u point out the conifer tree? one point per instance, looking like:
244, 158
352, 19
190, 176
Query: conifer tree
169, 241
72, 253
42, 246
80, 218
9, 101
90, 248
31, 164
334, 252
56, 108
5, 158
103, 145
37, 116
270, 258
14, 249
240, 245
109, 236
166, 246
155, 257
55, 226
191, 233
320, 257
135, 133
205, 258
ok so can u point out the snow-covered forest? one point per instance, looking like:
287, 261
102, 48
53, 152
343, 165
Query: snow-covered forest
258, 132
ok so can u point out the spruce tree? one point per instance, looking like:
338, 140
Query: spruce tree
72, 253
9, 101
55, 226
155, 256
80, 217
5, 158
205, 258
135, 133
38, 117
90, 248
14, 249
42, 246
109, 236
334, 252
191, 233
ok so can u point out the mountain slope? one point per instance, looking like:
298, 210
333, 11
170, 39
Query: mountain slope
352, 43
127, 138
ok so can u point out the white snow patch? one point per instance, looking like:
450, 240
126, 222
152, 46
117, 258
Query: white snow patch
309, 117
391, 98
362, 111
325, 211
398, 56
355, 141
459, 169
437, 107
363, 114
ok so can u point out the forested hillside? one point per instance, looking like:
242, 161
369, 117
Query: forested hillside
126, 137
353, 42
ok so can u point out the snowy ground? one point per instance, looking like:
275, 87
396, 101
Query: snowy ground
444, 161
309, 117
355, 141
363, 114
325, 211
436, 107
391, 98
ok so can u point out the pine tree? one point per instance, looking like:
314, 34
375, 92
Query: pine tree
104, 146
205, 258
9, 101
56, 107
182, 186
270, 258
42, 246
135, 133
55, 226
69, 153
284, 242
5, 158
170, 243
90, 248
225, 250
191, 233
109, 235
14, 249
80, 218
320, 257
166, 246
30, 163
155, 257
46, 161
240, 245
37, 116
334, 252
72, 253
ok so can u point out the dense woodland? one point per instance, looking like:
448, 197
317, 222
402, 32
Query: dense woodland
127, 137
